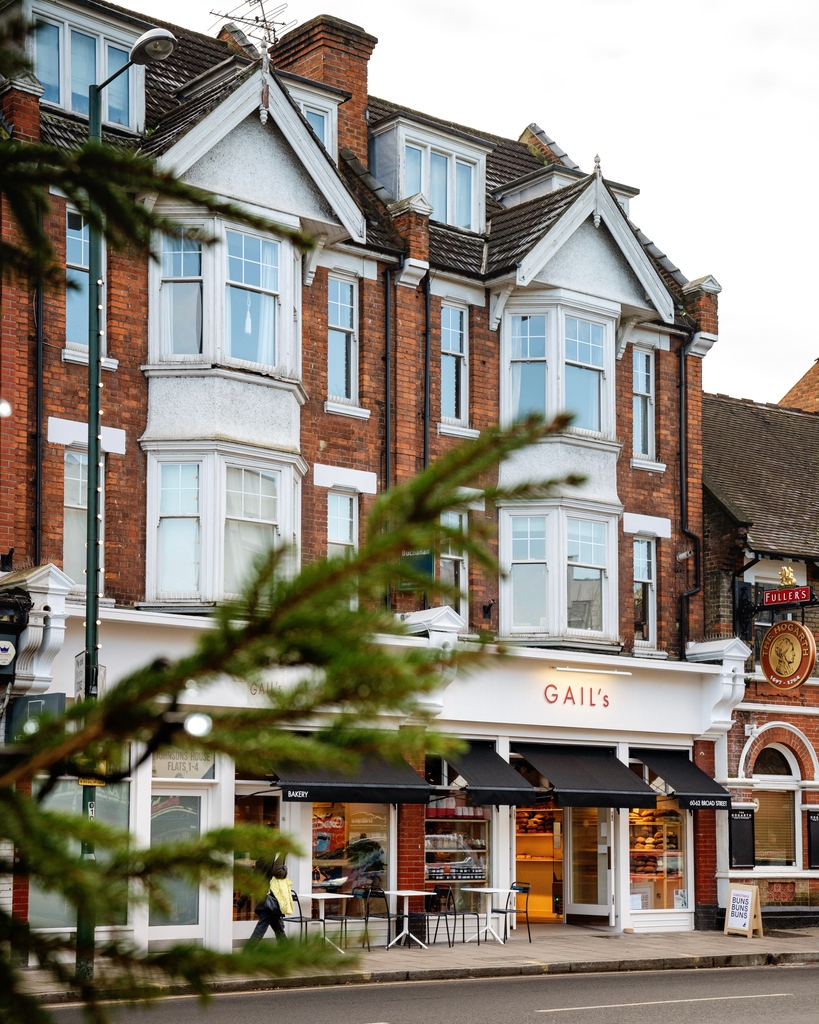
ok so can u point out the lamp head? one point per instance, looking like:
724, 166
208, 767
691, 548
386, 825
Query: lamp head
154, 45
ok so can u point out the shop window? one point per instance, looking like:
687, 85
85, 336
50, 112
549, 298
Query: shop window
350, 846
251, 809
657, 857
48, 909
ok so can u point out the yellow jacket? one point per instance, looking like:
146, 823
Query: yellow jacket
282, 890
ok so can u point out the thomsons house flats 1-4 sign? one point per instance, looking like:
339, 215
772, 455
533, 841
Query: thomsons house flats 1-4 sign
788, 655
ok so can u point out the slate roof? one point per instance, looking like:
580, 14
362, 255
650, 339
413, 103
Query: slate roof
515, 231
511, 233
761, 462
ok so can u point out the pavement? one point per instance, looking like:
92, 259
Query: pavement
554, 949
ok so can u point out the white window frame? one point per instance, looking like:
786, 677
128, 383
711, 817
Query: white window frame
650, 582
351, 546
79, 584
556, 626
556, 308
213, 459
106, 33
78, 346
462, 388
453, 158
446, 554
214, 303
646, 398
317, 100
352, 339
788, 784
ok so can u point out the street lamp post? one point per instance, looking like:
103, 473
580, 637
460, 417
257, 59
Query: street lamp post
152, 46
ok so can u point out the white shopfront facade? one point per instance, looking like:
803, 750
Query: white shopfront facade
523, 698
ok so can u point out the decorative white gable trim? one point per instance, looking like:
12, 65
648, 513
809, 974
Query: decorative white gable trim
239, 105
339, 478
311, 261
707, 284
598, 202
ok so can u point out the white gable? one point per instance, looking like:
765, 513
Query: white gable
255, 163
591, 262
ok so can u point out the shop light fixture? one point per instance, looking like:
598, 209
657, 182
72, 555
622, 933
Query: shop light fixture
592, 671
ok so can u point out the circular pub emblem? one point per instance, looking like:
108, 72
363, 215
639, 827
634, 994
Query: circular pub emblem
788, 655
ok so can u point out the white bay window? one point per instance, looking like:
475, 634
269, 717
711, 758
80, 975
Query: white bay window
559, 358
221, 304
561, 572
218, 507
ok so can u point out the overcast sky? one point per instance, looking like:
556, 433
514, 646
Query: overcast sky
707, 106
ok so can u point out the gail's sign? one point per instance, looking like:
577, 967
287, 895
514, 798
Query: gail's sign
580, 696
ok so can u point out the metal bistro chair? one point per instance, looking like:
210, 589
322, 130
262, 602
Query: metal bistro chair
298, 917
444, 897
370, 893
512, 909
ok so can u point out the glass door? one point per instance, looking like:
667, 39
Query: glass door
177, 816
590, 862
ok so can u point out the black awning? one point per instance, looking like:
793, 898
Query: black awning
691, 786
491, 780
376, 781
587, 776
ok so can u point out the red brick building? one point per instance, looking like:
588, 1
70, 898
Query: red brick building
253, 395
760, 519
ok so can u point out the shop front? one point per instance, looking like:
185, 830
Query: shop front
620, 826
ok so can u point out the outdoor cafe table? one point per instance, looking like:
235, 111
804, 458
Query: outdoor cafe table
406, 933
488, 893
321, 898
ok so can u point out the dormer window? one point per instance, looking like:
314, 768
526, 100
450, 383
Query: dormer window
71, 56
448, 167
447, 182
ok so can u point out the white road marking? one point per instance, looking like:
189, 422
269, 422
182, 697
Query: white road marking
663, 1002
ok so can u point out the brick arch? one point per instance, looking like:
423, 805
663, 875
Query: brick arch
788, 736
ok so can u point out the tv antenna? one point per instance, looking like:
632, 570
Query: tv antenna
263, 28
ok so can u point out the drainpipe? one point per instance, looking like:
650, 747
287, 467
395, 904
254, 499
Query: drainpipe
388, 280
427, 367
688, 594
38, 432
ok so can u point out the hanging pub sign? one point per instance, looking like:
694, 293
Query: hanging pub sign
787, 655
785, 596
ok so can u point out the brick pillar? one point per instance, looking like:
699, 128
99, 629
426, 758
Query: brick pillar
705, 844
411, 830
334, 52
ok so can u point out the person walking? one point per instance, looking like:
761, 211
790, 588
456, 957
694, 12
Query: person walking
277, 904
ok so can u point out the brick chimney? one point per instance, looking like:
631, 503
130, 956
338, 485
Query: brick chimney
333, 52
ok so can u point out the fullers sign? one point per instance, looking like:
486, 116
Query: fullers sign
787, 595
788, 655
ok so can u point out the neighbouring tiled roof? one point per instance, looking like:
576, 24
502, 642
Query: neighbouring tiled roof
373, 198
760, 461
453, 249
513, 232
